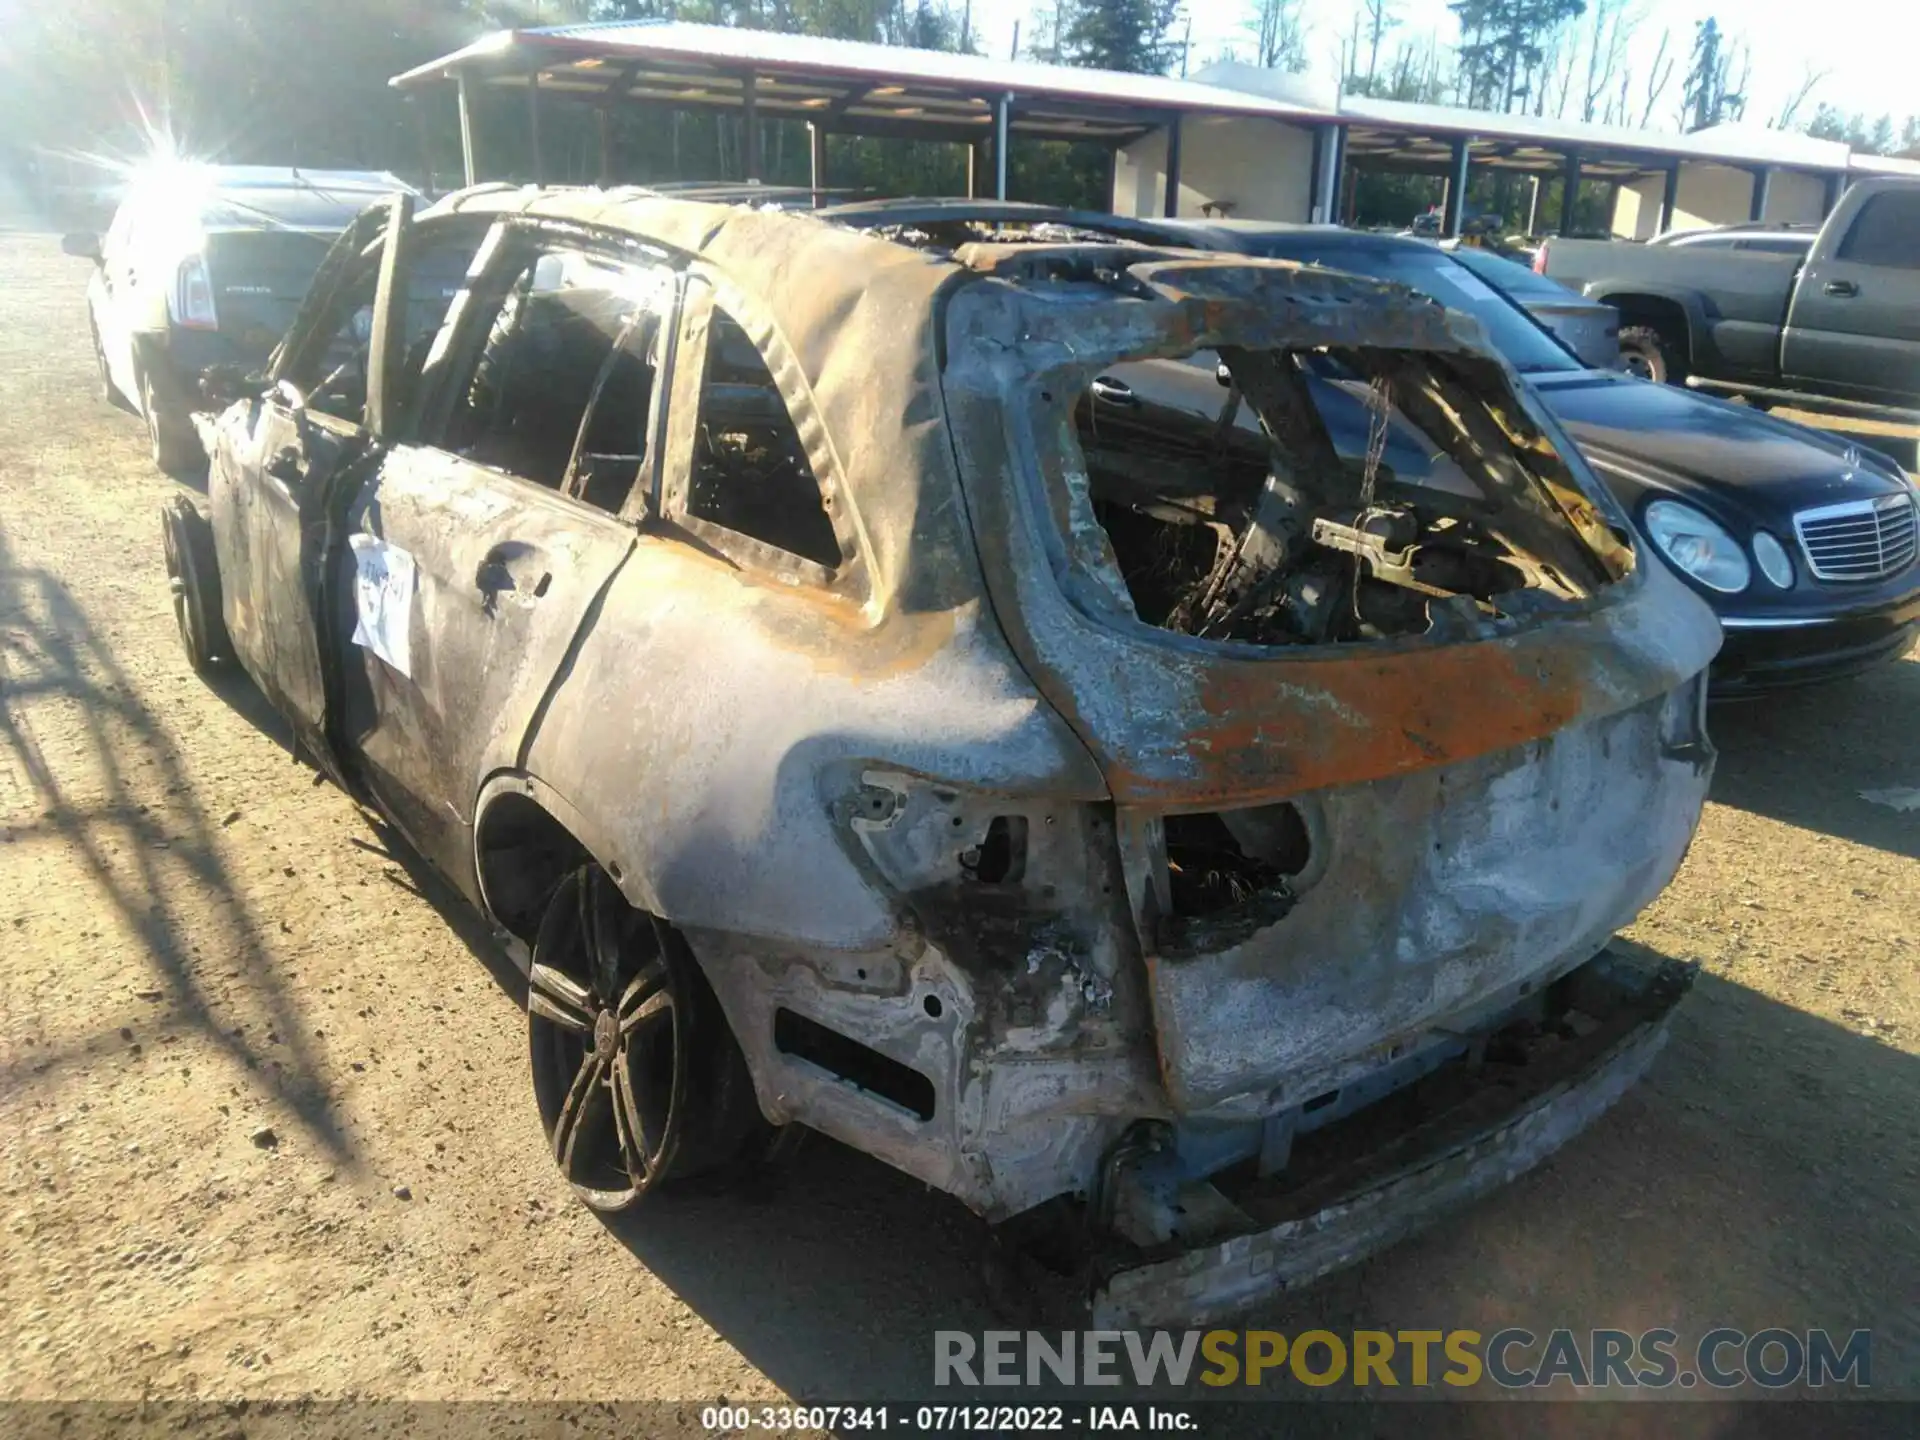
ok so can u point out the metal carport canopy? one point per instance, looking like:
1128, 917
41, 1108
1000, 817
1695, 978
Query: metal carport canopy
839, 86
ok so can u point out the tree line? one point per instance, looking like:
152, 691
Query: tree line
289, 81
1571, 60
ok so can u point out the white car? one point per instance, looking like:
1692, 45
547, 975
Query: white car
206, 265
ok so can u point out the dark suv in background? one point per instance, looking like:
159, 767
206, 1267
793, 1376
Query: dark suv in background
205, 265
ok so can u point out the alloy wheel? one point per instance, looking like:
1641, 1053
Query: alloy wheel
609, 1007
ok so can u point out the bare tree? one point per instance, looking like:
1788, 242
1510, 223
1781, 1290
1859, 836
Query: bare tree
1379, 19
1734, 102
1558, 50
1413, 73
1603, 54
1790, 108
1279, 29
1658, 78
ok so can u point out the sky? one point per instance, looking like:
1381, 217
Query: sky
1870, 49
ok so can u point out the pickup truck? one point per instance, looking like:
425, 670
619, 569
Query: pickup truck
1840, 323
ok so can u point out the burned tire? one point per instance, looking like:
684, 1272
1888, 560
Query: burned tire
1647, 353
170, 434
193, 577
639, 1080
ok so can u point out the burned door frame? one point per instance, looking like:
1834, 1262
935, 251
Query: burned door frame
274, 503
539, 556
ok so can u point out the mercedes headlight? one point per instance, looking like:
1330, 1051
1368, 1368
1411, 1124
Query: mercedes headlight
1698, 546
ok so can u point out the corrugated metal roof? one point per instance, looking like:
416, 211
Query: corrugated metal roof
1228, 88
1735, 143
1884, 165
287, 177
893, 64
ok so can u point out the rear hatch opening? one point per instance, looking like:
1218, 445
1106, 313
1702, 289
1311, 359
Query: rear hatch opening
1328, 496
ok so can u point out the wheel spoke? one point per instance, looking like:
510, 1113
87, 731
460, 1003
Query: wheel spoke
580, 1098
649, 1011
641, 1151
607, 940
556, 996
647, 997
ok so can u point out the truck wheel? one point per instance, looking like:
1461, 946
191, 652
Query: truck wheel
170, 433
639, 1080
1647, 353
193, 576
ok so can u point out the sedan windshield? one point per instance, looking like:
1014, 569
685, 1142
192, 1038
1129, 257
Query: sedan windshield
1525, 345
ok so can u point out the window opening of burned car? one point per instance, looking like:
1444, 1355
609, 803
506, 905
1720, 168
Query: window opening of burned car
1281, 497
615, 436
751, 474
567, 364
333, 376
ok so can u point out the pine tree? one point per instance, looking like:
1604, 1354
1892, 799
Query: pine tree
1501, 42
1710, 94
1134, 35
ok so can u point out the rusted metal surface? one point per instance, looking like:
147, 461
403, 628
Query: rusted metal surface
920, 798
1443, 892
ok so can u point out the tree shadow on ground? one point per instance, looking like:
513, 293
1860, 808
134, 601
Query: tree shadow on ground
54, 667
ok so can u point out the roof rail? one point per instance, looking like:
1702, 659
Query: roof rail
742, 192
872, 214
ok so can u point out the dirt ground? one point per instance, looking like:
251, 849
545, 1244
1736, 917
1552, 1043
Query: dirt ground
203, 946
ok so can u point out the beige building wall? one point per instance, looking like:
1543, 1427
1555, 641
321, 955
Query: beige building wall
1716, 195
1796, 199
1260, 168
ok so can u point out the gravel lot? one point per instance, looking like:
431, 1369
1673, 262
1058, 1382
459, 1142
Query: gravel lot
268, 1130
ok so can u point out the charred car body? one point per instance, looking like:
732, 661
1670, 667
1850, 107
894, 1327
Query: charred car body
1210, 860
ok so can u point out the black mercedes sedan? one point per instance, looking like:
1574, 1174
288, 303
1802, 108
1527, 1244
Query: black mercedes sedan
1808, 548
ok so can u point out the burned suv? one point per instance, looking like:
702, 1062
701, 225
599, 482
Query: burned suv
1201, 855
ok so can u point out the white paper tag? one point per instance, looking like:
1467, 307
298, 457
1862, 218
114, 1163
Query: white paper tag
383, 600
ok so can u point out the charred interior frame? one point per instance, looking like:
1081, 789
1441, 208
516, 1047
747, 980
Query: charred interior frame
1249, 524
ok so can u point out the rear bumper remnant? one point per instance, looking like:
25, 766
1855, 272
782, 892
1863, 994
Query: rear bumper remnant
1478, 1128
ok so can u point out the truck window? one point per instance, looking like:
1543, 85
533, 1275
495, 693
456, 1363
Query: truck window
1886, 232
